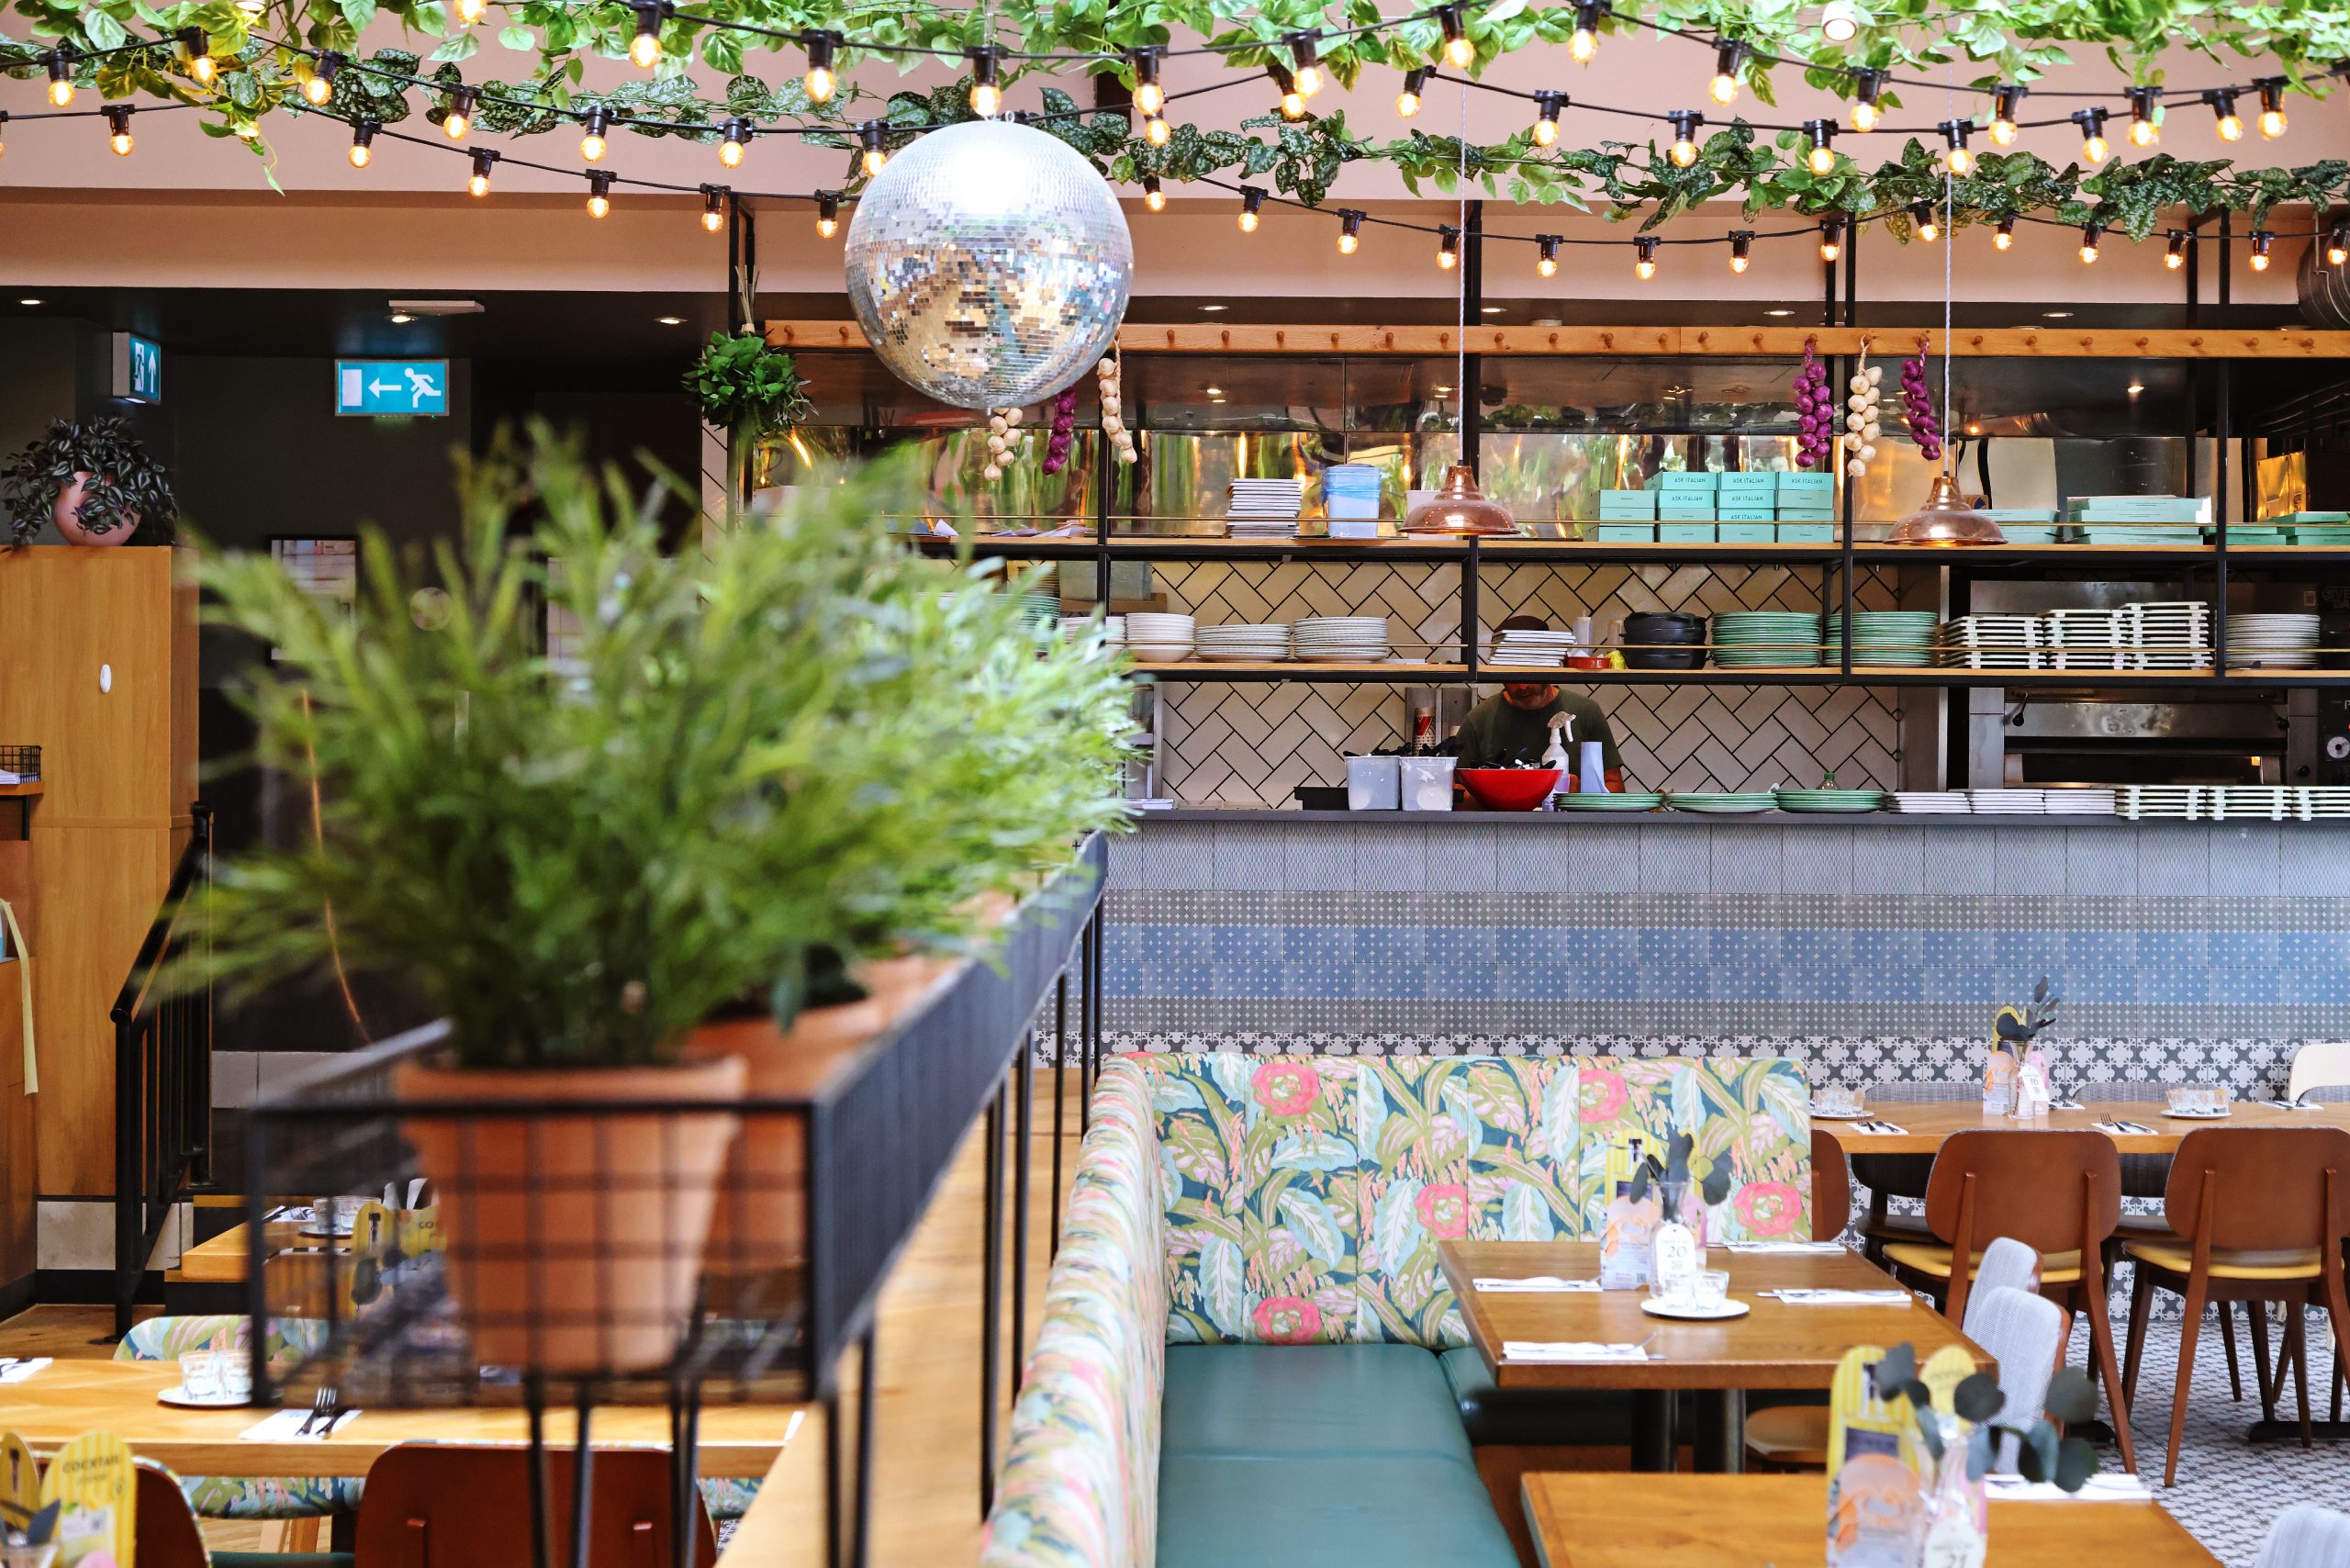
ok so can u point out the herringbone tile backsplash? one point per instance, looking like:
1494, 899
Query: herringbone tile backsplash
1251, 745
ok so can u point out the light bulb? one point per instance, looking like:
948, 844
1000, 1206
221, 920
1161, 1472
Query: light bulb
1407, 102
1457, 47
317, 89
1684, 152
2262, 240
1727, 57
987, 94
1152, 197
2094, 150
1546, 121
61, 80
591, 139
713, 208
1741, 247
644, 49
2004, 236
1448, 247
1251, 199
1644, 253
478, 184
1156, 131
471, 11
2223, 110
1684, 136
1149, 96
1349, 232
118, 129
1293, 104
2143, 133
1583, 46
2272, 123
1928, 229
1831, 239
2090, 233
2272, 107
828, 213
2003, 114
201, 66
877, 156
1305, 62
600, 201
459, 117
2337, 245
1821, 158
820, 83
2175, 253
1840, 21
362, 139
729, 149
1867, 83
1864, 116
1547, 264
1957, 157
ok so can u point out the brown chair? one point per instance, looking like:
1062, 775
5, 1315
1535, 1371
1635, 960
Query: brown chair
2057, 1192
436, 1505
1831, 1188
168, 1536
1889, 1176
2260, 1214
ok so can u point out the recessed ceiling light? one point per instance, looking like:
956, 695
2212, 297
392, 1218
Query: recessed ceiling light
1212, 309
671, 320
2135, 387
401, 318
1778, 313
2057, 315
1212, 391
438, 306
1444, 391
1492, 309
28, 302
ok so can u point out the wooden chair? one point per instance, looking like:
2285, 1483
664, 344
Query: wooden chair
2059, 1193
436, 1505
2260, 1214
1831, 1188
168, 1536
1888, 1176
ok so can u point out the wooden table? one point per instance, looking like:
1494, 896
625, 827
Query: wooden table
1747, 1521
1925, 1125
67, 1398
1773, 1347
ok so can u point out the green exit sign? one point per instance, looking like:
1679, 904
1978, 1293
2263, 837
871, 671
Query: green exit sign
138, 368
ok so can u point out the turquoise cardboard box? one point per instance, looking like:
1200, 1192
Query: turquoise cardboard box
1807, 532
2004, 515
1807, 514
1684, 511
1804, 482
1739, 510
1630, 505
1748, 532
1626, 532
1684, 532
1703, 481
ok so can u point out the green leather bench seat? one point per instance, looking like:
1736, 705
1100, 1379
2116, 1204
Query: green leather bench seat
1594, 1417
1319, 1456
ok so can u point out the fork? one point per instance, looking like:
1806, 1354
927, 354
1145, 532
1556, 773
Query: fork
323, 1410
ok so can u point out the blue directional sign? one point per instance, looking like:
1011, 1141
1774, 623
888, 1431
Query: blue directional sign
403, 386
138, 368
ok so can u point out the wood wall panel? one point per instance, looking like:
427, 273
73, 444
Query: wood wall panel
18, 1250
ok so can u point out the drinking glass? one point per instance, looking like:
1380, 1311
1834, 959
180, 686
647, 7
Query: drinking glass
1713, 1287
2181, 1100
200, 1374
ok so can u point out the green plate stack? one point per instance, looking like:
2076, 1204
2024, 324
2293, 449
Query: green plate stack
1733, 804
1628, 800
1896, 638
1830, 799
1767, 638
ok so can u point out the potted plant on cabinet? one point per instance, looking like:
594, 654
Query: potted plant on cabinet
95, 481
743, 770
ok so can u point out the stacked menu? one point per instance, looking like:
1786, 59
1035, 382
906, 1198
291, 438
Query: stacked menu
1264, 509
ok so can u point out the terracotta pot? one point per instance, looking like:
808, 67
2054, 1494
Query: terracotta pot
761, 1226
573, 1242
66, 513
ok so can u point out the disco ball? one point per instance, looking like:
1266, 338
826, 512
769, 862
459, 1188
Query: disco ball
989, 265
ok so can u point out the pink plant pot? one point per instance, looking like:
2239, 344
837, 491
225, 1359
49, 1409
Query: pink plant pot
66, 512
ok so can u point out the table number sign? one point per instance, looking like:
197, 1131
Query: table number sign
2017, 1060
1626, 1242
1876, 1493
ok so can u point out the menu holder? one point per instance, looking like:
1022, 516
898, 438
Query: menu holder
96, 1485
19, 1484
1627, 1239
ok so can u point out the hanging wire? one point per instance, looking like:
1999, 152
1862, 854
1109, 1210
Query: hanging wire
1460, 295
1950, 245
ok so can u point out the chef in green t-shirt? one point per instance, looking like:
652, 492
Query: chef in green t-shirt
1515, 726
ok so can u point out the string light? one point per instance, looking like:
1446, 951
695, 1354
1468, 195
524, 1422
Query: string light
828, 214
599, 120
713, 207
1546, 264
2144, 131
2004, 100
1457, 47
1305, 62
1831, 239
1840, 21
478, 184
1407, 102
1730, 57
1867, 83
195, 44
646, 47
472, 11
820, 83
2261, 241
1448, 246
1957, 157
363, 142
1149, 96
61, 78
2089, 232
1921, 214
599, 194
1644, 257
1152, 197
876, 155
736, 135
2337, 245
119, 128
1292, 101
1252, 201
2093, 143
1585, 42
318, 86
987, 94
2004, 237
1821, 159
1684, 133
2175, 253
2272, 107
1349, 230
2224, 109
1545, 117
459, 120
1741, 246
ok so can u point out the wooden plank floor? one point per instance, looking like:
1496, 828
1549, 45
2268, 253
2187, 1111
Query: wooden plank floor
925, 1499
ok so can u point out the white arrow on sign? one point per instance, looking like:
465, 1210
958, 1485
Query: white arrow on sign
380, 388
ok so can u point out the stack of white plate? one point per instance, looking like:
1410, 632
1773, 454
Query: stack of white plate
2273, 641
1265, 507
2007, 802
2077, 802
1114, 628
1339, 639
2085, 639
1158, 638
2266, 802
1930, 802
2168, 634
1992, 642
1517, 648
2192, 801
1243, 643
2325, 801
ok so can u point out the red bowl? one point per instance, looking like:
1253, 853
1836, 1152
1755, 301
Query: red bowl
1508, 788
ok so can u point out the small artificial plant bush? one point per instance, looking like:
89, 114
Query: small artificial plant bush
2040, 1453
745, 384
124, 481
1673, 1170
809, 747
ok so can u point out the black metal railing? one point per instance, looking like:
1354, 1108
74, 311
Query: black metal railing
162, 1077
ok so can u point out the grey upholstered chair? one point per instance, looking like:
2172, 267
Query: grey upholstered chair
2305, 1535
2025, 1331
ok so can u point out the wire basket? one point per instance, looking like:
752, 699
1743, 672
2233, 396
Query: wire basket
24, 761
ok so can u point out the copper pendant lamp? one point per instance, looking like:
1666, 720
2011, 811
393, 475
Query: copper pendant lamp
1946, 520
1460, 508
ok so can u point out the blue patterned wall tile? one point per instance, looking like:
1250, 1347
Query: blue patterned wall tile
1126, 862
1391, 858
1461, 859
2313, 868
1818, 860
1674, 859
2243, 860
1605, 858
2244, 988
1889, 860
1744, 859
1318, 857
2243, 949
1888, 953
1662, 947
2100, 860
2101, 949
1180, 855
1539, 863
1746, 945
2173, 861
1960, 861
2029, 860
1247, 859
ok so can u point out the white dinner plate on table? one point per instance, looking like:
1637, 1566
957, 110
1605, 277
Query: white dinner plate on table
2197, 1115
178, 1395
1657, 1306
1843, 1116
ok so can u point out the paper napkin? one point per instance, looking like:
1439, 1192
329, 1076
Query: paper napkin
1885, 1128
16, 1372
1537, 1285
286, 1426
2110, 1487
1569, 1351
1820, 1249
1844, 1298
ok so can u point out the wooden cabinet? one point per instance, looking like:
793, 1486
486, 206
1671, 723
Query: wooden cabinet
97, 668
